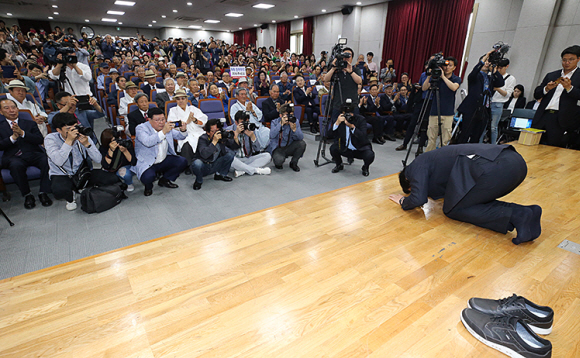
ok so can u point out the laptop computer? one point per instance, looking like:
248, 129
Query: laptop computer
519, 123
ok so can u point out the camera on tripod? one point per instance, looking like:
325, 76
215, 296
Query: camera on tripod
339, 54
52, 49
435, 64
117, 132
500, 50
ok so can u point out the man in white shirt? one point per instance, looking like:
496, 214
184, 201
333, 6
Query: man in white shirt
77, 75
500, 97
370, 64
131, 90
17, 93
244, 104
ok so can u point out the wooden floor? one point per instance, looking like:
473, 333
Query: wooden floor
342, 274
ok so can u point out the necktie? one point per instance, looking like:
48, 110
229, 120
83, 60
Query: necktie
19, 152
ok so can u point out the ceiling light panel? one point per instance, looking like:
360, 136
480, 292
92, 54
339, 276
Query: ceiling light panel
124, 3
212, 21
263, 6
234, 14
108, 20
111, 12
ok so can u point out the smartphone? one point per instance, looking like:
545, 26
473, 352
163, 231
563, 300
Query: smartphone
177, 124
8, 71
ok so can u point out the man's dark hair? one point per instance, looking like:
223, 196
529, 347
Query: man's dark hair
3, 53
370, 54
371, 87
298, 76
241, 115
117, 79
60, 95
405, 183
285, 108
7, 99
64, 119
521, 88
154, 111
503, 62
210, 123
572, 50
451, 58
349, 49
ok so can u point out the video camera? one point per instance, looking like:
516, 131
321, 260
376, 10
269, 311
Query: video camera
117, 132
434, 66
347, 108
339, 54
500, 50
52, 49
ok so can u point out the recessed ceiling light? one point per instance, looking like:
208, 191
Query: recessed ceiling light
9, 14
149, 25
55, 6
124, 3
86, 20
154, 21
163, 16
256, 25
212, 21
56, 13
111, 12
194, 27
359, 3
233, 14
240, 28
273, 20
323, 10
189, 4
50, 17
263, 6
174, 10
108, 20
120, 23
295, 16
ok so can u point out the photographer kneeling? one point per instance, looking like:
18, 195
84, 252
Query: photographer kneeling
351, 141
248, 159
286, 138
68, 150
215, 153
118, 156
68, 104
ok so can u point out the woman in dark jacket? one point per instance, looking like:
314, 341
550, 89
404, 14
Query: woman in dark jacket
118, 157
517, 100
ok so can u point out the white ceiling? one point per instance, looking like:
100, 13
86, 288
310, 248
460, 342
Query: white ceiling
145, 11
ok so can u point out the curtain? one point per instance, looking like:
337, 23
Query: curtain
307, 28
246, 37
283, 36
416, 29
239, 37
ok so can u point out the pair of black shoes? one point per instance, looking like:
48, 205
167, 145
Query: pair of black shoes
510, 325
293, 166
164, 183
339, 167
197, 185
30, 203
389, 138
378, 141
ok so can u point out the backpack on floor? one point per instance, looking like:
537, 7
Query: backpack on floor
100, 198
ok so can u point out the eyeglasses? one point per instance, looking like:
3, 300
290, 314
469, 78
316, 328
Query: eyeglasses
159, 120
570, 60
181, 99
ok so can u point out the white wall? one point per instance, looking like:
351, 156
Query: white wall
372, 29
327, 28
195, 35
267, 37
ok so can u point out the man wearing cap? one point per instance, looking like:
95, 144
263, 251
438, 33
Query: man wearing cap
76, 79
127, 66
181, 79
150, 83
131, 90
20, 140
108, 47
244, 84
104, 71
140, 73
17, 93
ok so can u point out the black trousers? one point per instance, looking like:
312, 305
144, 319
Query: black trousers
171, 167
480, 206
309, 112
18, 165
365, 153
295, 150
402, 121
62, 186
413, 123
378, 123
555, 135
187, 153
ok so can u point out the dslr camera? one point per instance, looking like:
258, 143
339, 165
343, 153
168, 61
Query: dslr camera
435, 64
249, 126
500, 50
339, 54
225, 134
86, 131
117, 132
290, 113
347, 110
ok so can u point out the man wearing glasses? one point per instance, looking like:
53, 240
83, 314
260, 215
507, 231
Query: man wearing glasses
155, 152
559, 110
68, 104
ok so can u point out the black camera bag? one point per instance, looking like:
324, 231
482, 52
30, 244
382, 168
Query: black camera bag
101, 198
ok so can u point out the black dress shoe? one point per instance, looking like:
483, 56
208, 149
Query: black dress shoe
44, 199
365, 171
166, 183
294, 167
401, 147
222, 177
148, 192
187, 171
29, 201
378, 141
313, 130
338, 168
389, 137
350, 160
279, 166
196, 186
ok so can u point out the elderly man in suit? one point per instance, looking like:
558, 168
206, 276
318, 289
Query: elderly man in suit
559, 109
271, 106
20, 140
471, 177
17, 93
139, 115
155, 153
161, 98
150, 83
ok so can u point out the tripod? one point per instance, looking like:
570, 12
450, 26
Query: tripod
6, 216
322, 144
433, 89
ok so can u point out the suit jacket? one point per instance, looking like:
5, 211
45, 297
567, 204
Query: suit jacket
358, 139
146, 141
370, 107
530, 104
520, 102
269, 110
569, 112
301, 98
30, 143
146, 87
135, 118
447, 172
161, 98
475, 84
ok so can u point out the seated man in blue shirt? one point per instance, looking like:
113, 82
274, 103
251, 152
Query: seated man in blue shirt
286, 138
